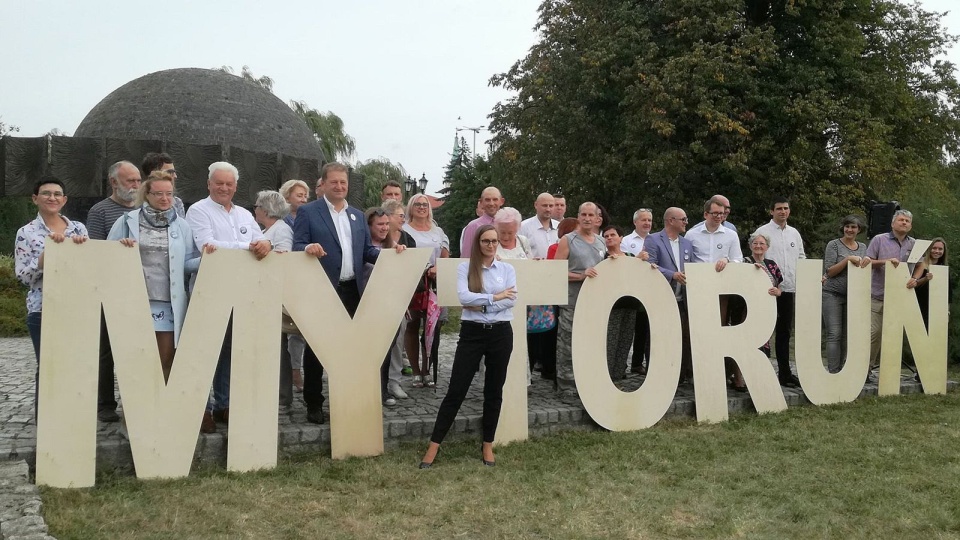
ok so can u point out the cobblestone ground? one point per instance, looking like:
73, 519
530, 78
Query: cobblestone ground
411, 418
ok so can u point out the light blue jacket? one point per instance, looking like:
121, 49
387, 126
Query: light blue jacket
184, 259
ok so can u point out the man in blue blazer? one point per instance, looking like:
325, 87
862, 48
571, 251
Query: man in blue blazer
671, 252
329, 229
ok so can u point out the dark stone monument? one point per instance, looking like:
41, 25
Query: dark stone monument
198, 116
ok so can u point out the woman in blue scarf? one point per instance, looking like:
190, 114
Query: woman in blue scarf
168, 254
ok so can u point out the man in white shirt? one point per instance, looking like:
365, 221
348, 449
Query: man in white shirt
633, 244
541, 229
217, 221
337, 234
786, 247
712, 242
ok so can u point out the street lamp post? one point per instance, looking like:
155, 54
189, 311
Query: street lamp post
475, 130
410, 186
422, 183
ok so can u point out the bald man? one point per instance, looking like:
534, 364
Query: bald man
541, 229
490, 203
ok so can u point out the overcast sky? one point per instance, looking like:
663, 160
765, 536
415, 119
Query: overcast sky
399, 74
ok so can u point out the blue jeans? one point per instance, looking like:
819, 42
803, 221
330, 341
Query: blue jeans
221, 378
835, 325
33, 326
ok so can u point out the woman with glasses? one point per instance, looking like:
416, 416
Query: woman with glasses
49, 196
837, 254
759, 243
397, 235
378, 222
168, 254
487, 289
425, 233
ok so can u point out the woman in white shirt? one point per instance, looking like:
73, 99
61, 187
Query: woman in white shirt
487, 290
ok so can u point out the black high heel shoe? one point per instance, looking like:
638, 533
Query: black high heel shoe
485, 462
425, 465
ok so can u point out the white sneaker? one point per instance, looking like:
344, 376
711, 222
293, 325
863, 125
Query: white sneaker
394, 389
390, 402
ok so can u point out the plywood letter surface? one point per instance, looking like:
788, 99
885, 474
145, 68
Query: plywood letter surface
819, 385
352, 350
606, 404
710, 342
902, 313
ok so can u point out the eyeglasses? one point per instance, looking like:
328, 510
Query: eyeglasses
682, 220
401, 216
51, 194
421, 205
379, 212
169, 195
717, 214
489, 241
171, 172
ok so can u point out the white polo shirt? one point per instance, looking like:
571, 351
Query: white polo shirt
539, 237
341, 220
211, 223
632, 243
713, 246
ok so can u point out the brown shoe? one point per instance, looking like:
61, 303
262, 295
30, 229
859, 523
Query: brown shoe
222, 415
207, 425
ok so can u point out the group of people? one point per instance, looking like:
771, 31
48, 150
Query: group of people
143, 212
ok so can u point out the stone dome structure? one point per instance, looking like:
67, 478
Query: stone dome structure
201, 106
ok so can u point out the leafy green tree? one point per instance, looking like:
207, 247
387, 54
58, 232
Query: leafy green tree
246, 73
377, 172
327, 127
6, 129
464, 179
666, 103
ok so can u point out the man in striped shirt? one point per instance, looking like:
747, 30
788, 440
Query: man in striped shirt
124, 179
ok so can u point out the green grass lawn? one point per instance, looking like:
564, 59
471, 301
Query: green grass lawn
877, 468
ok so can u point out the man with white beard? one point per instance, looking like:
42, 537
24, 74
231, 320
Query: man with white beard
124, 178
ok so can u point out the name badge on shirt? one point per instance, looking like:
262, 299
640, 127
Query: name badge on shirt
243, 230
353, 217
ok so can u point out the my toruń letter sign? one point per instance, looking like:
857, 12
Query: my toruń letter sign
163, 419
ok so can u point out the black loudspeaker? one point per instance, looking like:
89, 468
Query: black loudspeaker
880, 217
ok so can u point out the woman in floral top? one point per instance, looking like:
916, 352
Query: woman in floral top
48, 195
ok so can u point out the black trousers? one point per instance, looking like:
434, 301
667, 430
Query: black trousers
542, 348
106, 399
641, 339
686, 358
494, 343
785, 308
349, 295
